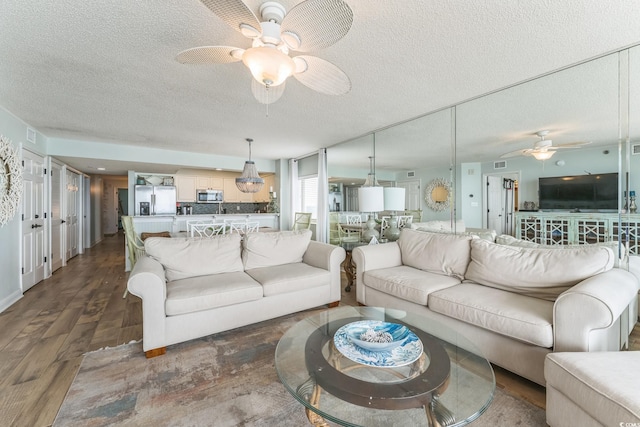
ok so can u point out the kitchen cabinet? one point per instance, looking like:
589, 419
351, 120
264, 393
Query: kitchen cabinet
262, 196
209, 183
233, 195
185, 188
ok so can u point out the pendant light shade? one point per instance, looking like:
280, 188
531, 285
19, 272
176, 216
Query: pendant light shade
249, 181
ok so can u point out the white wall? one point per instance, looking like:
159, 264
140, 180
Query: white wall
10, 258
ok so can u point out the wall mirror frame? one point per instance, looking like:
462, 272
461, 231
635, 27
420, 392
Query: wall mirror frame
437, 195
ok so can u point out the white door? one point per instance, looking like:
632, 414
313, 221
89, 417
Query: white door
500, 202
73, 207
57, 216
413, 199
33, 220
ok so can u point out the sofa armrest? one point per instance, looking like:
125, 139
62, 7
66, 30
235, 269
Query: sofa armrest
373, 257
592, 305
147, 281
328, 257
323, 255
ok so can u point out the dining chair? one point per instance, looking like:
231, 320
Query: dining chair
404, 221
302, 221
348, 236
384, 225
334, 233
135, 245
205, 229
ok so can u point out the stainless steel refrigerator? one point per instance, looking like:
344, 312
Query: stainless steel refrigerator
160, 199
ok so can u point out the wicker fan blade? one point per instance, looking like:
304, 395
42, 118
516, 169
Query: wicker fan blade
208, 55
321, 75
266, 95
233, 13
318, 23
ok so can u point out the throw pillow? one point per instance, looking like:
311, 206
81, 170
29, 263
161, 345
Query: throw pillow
435, 252
269, 249
187, 257
537, 272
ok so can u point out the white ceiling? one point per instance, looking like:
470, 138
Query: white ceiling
106, 71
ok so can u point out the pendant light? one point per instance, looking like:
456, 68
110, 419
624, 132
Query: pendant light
249, 181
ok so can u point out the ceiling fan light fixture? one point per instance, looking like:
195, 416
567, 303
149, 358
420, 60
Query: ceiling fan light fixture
268, 65
543, 155
249, 181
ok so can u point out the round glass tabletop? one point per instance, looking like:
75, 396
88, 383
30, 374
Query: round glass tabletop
449, 383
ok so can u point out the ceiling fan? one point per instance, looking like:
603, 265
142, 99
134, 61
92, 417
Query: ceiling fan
310, 25
544, 148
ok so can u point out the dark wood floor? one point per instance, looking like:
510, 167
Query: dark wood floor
79, 309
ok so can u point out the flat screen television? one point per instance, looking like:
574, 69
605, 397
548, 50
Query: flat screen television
586, 193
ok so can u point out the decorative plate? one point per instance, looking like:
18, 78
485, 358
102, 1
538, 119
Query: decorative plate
405, 348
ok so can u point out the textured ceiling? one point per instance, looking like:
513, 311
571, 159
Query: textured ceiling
106, 71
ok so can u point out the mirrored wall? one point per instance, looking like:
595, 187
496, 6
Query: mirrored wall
587, 116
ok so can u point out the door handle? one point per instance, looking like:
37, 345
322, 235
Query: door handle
63, 221
33, 226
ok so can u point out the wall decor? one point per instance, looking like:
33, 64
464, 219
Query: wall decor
438, 194
10, 180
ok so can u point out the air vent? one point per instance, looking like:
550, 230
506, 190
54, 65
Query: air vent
31, 135
635, 149
502, 164
411, 174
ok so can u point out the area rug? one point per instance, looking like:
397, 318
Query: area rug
226, 379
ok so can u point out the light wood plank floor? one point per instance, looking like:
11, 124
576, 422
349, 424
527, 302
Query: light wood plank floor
79, 309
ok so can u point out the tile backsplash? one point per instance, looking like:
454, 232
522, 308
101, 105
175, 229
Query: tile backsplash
229, 208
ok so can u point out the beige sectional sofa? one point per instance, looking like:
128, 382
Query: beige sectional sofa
193, 287
515, 304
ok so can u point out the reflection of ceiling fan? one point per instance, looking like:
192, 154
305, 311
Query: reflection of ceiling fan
310, 25
544, 148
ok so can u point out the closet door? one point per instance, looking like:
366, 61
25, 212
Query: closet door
33, 220
57, 216
72, 214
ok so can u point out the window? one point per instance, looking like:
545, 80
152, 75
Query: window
309, 195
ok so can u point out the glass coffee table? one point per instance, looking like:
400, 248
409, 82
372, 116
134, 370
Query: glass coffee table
434, 376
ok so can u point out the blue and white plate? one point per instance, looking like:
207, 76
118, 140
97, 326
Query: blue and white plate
405, 348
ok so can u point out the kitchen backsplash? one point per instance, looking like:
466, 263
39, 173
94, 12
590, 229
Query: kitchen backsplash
231, 208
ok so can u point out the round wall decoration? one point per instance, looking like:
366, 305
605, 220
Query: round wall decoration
10, 180
438, 194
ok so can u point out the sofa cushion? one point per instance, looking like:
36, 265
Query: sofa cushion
507, 313
537, 272
408, 283
619, 250
603, 384
185, 257
269, 249
205, 292
435, 252
286, 278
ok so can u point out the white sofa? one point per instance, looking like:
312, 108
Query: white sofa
193, 287
515, 304
593, 389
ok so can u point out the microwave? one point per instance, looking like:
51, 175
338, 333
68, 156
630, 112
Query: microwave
208, 196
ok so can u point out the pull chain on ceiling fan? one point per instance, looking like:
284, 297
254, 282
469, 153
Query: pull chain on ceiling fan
310, 25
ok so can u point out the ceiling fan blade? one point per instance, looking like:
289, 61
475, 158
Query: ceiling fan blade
523, 152
318, 23
234, 13
266, 95
575, 144
208, 55
321, 75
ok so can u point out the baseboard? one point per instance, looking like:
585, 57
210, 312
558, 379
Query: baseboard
10, 300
